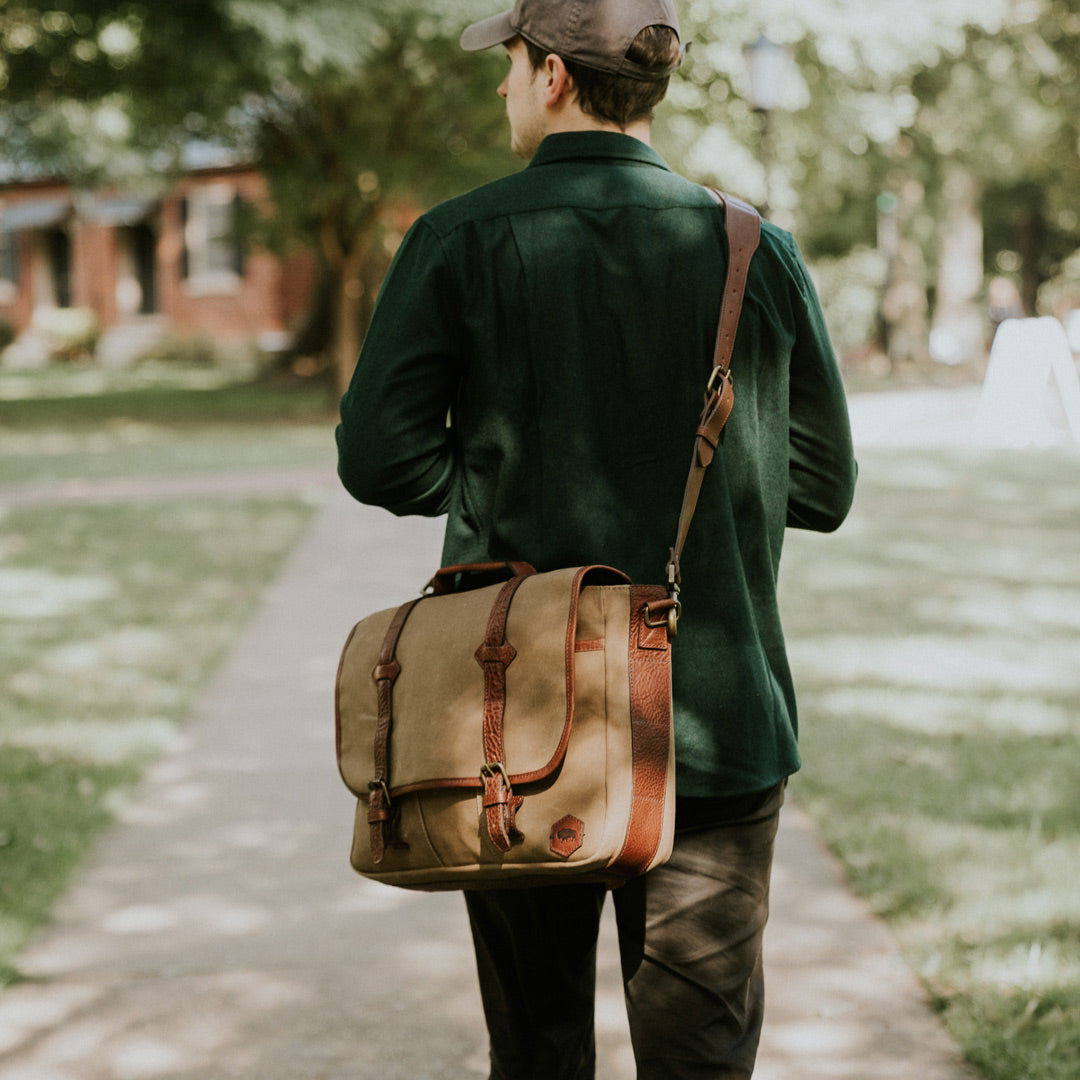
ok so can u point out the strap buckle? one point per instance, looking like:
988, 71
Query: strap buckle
719, 374
380, 785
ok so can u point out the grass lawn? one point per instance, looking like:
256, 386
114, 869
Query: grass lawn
115, 614
936, 645
66, 423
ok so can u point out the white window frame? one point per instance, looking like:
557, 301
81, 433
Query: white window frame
208, 232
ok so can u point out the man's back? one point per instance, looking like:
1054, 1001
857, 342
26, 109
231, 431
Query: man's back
563, 319
568, 313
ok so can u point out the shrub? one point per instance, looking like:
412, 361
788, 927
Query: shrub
1061, 294
197, 351
851, 289
70, 333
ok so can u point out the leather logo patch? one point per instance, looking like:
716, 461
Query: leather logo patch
567, 835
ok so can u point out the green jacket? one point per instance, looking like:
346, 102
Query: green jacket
563, 319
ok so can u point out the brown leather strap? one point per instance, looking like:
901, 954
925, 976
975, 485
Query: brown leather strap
743, 227
380, 811
650, 725
495, 655
443, 581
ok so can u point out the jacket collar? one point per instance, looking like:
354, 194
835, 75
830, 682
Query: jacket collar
597, 145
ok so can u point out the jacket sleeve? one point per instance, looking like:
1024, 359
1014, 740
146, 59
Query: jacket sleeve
821, 468
394, 446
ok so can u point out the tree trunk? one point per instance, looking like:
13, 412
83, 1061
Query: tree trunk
958, 331
904, 308
346, 334
1031, 247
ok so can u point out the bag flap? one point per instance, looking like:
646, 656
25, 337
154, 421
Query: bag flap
436, 737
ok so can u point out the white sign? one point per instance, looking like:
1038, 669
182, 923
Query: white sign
1014, 407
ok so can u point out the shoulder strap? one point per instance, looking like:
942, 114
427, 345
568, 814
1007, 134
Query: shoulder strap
742, 224
743, 227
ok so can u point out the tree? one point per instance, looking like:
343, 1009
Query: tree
356, 113
98, 89
372, 110
839, 140
964, 114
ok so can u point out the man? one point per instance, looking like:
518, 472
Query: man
563, 319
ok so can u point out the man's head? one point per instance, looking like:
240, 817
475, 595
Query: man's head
609, 59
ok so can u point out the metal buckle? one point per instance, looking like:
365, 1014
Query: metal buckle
493, 768
376, 785
723, 373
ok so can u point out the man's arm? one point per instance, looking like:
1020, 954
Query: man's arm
822, 469
394, 448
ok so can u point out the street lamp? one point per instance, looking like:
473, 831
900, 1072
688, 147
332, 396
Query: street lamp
768, 65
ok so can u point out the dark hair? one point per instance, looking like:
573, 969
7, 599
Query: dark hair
617, 99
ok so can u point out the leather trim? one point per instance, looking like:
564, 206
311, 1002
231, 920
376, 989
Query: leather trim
494, 656
650, 723
380, 811
442, 583
591, 645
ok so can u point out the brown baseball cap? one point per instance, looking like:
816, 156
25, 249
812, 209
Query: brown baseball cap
594, 33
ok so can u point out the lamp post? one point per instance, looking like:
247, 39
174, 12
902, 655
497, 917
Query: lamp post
767, 65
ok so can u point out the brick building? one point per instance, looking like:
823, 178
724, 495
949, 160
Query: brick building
149, 266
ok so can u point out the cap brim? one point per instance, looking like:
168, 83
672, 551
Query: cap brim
488, 33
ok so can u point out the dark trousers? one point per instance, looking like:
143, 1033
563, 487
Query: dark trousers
690, 942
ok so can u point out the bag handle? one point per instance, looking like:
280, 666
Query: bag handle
443, 581
743, 227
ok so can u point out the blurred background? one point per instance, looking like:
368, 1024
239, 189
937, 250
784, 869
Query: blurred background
198, 202
240, 171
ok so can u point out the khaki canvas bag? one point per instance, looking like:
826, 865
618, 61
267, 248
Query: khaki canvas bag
513, 728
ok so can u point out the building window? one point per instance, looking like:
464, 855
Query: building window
213, 258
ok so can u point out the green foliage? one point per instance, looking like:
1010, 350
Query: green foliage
361, 113
192, 351
71, 333
105, 88
850, 289
368, 110
1036, 1036
52, 806
1061, 293
174, 406
7, 333
880, 96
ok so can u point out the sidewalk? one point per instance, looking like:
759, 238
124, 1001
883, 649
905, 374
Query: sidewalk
218, 931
